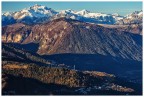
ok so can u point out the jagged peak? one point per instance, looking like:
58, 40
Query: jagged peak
115, 14
83, 12
135, 13
67, 11
37, 7
7, 14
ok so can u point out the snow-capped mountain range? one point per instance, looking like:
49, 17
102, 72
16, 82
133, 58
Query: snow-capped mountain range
133, 18
40, 14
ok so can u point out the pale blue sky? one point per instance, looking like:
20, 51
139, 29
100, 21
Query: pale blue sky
121, 8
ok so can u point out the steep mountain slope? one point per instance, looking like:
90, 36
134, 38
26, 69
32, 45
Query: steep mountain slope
70, 36
8, 19
12, 53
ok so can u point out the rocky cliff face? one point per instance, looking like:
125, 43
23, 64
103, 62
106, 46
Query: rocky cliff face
16, 33
71, 36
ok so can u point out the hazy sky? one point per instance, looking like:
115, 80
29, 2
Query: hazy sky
121, 8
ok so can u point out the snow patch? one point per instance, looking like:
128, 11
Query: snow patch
88, 27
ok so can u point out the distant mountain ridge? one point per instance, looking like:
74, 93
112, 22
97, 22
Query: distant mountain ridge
40, 14
133, 18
